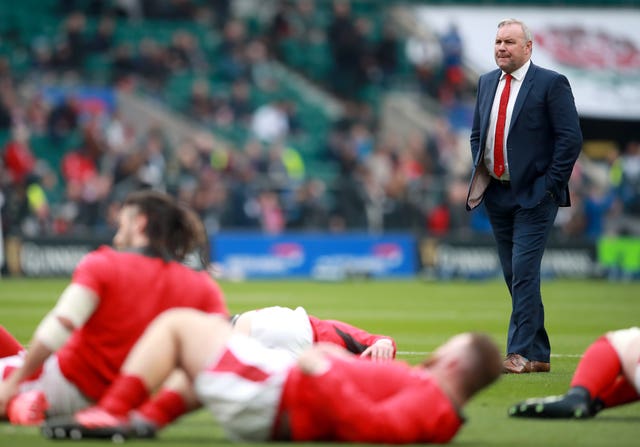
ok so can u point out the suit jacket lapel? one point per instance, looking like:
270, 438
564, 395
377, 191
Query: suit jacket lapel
480, 176
488, 96
527, 83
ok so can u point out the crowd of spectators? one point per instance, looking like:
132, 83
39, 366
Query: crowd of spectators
414, 182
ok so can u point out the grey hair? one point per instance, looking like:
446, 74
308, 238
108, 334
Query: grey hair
528, 37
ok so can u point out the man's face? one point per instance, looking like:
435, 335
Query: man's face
511, 50
129, 227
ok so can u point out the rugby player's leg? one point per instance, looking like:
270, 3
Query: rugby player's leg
183, 339
175, 398
603, 378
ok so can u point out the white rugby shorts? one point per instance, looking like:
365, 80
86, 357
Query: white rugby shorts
284, 328
62, 396
243, 386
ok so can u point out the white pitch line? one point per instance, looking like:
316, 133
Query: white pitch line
427, 353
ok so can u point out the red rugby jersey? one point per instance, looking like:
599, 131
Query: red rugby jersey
133, 289
360, 401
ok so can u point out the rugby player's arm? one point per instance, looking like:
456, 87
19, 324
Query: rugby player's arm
74, 307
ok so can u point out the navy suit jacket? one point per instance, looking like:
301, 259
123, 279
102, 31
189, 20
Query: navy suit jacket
543, 142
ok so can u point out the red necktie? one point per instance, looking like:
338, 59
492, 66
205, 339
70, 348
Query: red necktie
498, 155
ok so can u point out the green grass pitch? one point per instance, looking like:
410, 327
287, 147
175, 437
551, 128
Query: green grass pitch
420, 315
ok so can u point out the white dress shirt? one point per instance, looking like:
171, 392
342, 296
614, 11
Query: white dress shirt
516, 82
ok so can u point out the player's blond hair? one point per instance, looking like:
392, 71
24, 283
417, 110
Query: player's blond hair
484, 364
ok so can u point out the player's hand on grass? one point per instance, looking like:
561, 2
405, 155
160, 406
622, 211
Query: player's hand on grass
381, 350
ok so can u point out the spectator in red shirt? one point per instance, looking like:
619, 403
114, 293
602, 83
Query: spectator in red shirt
78, 348
18, 158
327, 394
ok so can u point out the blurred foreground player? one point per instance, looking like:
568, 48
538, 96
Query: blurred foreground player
608, 375
112, 297
292, 330
259, 394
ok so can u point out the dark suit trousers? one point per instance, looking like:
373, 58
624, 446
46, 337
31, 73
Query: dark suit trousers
521, 236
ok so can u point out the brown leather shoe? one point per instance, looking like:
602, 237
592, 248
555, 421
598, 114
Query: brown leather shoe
539, 367
517, 364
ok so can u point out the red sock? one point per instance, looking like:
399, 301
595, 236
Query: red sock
164, 408
598, 368
8, 344
619, 393
124, 394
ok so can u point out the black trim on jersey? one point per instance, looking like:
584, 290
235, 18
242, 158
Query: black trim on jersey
352, 344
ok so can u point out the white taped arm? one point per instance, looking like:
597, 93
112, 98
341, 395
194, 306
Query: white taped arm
52, 332
76, 304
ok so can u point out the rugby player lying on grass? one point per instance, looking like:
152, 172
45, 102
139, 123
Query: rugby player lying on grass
292, 330
258, 393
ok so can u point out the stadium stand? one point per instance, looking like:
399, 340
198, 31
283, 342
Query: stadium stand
331, 82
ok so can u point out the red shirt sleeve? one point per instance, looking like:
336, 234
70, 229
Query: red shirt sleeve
349, 337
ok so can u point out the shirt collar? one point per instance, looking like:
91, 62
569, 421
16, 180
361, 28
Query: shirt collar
520, 73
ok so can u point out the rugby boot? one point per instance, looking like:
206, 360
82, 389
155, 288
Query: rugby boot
576, 404
91, 423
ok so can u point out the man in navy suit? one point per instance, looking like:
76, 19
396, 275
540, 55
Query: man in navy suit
524, 144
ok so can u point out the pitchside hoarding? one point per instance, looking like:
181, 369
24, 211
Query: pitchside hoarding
330, 257
47, 257
319, 256
447, 259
